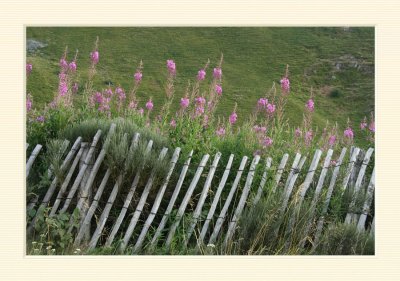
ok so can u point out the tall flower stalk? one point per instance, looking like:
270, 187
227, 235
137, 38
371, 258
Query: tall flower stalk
94, 58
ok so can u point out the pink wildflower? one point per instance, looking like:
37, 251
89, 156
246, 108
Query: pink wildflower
200, 100
285, 85
98, 97
132, 105
332, 140
28, 104
271, 108
363, 124
267, 141
308, 136
310, 105
348, 133
260, 129
108, 92
62, 76
75, 88
184, 102
233, 118
199, 110
173, 123
220, 132
201, 75
28, 68
297, 132
104, 107
72, 66
94, 56
121, 94
141, 111
53, 104
138, 76
371, 126
218, 89
62, 88
217, 73
40, 119
171, 67
205, 120
149, 105
262, 103
63, 64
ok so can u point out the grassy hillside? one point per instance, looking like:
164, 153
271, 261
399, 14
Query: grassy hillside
324, 58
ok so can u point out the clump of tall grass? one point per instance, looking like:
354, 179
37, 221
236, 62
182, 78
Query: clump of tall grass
56, 150
345, 239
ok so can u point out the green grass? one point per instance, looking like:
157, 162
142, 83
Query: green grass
254, 58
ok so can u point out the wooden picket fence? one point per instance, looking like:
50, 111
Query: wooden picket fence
77, 191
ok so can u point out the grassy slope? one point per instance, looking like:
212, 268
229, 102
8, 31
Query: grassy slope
253, 59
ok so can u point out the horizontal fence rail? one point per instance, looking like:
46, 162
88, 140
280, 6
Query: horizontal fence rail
198, 202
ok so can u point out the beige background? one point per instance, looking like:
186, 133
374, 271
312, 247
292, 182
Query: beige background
15, 15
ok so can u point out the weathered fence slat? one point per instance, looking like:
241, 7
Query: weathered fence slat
287, 193
186, 199
67, 179
140, 205
367, 204
82, 171
279, 173
357, 167
303, 190
328, 197
32, 203
289, 189
128, 199
203, 196
215, 200
263, 181
32, 158
372, 231
86, 222
228, 200
318, 190
242, 201
357, 186
353, 158
292, 170
171, 203
157, 202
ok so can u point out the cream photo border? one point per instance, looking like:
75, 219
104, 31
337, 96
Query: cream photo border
16, 15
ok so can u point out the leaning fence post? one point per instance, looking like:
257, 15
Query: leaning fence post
367, 204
